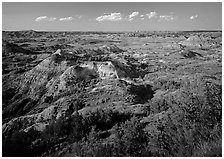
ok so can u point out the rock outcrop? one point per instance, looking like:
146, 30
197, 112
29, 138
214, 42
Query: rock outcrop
104, 69
192, 41
51, 80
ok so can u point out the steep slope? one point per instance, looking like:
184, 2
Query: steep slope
57, 78
10, 48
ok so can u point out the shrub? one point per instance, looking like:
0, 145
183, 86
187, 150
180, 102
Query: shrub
193, 116
18, 145
129, 140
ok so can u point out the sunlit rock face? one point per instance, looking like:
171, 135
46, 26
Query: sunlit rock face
106, 70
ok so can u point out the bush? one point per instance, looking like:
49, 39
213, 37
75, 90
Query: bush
105, 119
192, 117
129, 140
18, 145
77, 128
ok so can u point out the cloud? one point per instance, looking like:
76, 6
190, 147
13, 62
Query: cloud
66, 19
45, 18
154, 14
132, 15
110, 17
193, 17
40, 18
151, 15
51, 19
142, 17
166, 17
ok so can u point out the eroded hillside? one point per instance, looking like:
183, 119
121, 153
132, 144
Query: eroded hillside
112, 94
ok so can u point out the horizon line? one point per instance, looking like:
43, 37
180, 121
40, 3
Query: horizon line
207, 30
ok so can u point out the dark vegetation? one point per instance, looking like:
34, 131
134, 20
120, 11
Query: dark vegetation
189, 125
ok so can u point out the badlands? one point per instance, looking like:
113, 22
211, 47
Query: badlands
112, 93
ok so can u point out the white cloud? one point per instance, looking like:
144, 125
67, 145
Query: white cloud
142, 17
132, 15
193, 17
51, 19
151, 15
166, 17
110, 17
45, 18
40, 18
66, 19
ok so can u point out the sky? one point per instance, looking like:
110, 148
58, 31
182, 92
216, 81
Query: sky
111, 16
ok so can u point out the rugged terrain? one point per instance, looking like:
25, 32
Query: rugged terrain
112, 94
